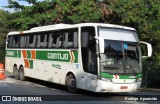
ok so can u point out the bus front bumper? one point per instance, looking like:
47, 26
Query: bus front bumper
103, 86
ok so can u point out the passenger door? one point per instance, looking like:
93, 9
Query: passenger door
89, 58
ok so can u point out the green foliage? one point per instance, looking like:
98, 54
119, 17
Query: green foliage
3, 23
143, 15
73, 11
3, 31
31, 16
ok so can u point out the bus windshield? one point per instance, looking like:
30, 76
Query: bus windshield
122, 52
120, 57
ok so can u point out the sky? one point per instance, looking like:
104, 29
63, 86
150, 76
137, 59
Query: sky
5, 3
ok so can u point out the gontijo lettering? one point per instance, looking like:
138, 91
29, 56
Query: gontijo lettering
57, 56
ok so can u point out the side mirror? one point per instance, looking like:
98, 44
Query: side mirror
101, 44
149, 49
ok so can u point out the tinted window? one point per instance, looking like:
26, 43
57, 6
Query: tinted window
67, 38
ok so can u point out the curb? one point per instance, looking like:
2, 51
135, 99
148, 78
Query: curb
149, 89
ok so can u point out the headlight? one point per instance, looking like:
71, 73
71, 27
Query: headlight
139, 79
106, 79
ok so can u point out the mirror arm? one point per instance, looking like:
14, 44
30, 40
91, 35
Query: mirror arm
101, 44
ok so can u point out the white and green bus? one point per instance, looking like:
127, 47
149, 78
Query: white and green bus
91, 56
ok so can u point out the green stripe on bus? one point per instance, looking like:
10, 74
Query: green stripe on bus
76, 56
13, 53
124, 77
60, 56
106, 75
19, 53
28, 54
31, 64
139, 76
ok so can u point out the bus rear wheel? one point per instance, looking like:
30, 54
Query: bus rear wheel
16, 72
71, 83
21, 74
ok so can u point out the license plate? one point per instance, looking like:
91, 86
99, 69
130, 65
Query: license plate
124, 87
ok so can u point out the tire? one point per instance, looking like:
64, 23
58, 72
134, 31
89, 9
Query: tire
16, 72
71, 83
21, 74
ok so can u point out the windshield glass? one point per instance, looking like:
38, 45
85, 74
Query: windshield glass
120, 57
118, 34
122, 51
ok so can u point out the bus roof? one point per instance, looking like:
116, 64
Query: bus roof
67, 26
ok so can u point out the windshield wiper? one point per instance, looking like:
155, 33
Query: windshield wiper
107, 61
111, 66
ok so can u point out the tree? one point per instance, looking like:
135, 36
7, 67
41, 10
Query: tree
3, 23
31, 16
58, 11
3, 31
143, 15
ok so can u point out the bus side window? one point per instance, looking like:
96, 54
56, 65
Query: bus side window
50, 40
32, 41
55, 40
75, 39
65, 43
23, 41
44, 39
38, 41
70, 39
15, 41
27, 41
59, 40
10, 42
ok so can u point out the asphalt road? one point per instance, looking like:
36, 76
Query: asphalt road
36, 90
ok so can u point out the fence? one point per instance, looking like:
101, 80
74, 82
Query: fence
151, 74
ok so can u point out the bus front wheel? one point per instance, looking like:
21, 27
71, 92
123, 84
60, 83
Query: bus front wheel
71, 83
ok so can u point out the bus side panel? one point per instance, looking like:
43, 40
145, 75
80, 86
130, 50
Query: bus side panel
11, 61
8, 64
52, 71
56, 71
